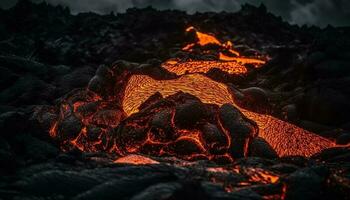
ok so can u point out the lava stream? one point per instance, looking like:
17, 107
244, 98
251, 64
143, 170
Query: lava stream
181, 68
287, 139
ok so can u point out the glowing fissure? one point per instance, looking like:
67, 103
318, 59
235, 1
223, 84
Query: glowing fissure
285, 138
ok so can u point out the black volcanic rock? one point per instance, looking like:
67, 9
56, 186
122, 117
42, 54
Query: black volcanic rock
184, 147
70, 127
343, 139
35, 149
12, 123
188, 114
260, 148
241, 130
255, 99
304, 184
214, 139
325, 106
332, 154
162, 127
122, 188
68, 183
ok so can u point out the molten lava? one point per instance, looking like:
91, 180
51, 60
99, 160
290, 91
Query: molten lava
231, 64
233, 61
206, 39
181, 68
242, 60
287, 139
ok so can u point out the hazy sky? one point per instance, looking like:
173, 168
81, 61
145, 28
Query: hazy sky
317, 12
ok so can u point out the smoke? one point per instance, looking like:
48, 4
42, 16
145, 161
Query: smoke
310, 12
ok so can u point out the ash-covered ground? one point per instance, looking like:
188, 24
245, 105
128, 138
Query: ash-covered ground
48, 55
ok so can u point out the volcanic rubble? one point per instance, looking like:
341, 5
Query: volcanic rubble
65, 132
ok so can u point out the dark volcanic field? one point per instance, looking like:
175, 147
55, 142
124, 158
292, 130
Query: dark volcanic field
46, 52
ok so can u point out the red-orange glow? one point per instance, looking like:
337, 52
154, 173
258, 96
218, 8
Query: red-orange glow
181, 68
264, 177
204, 39
218, 170
190, 29
76, 142
77, 110
52, 130
189, 47
134, 159
285, 138
253, 176
229, 46
257, 175
284, 190
241, 60
231, 64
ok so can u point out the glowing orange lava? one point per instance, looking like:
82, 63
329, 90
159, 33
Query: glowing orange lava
204, 39
136, 160
262, 176
232, 61
181, 68
287, 139
242, 60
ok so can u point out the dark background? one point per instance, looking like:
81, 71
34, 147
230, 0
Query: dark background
310, 12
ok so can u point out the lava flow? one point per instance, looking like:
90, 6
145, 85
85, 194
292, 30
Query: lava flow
181, 68
144, 115
231, 64
285, 138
